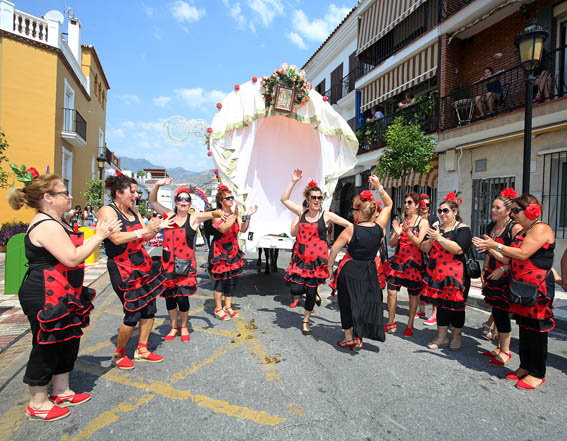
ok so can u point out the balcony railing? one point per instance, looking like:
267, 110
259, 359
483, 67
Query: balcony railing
345, 86
109, 157
462, 105
73, 122
372, 136
450, 7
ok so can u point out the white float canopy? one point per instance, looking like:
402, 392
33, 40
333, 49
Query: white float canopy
256, 150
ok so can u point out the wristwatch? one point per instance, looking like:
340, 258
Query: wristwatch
244, 218
138, 233
440, 238
499, 247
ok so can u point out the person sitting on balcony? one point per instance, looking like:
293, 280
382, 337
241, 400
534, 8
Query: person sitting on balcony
494, 93
375, 114
407, 101
543, 85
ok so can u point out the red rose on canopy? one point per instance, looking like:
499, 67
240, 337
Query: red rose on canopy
268, 98
219, 106
33, 172
209, 153
325, 98
509, 193
532, 211
237, 87
223, 188
366, 195
254, 79
451, 197
209, 130
215, 171
312, 183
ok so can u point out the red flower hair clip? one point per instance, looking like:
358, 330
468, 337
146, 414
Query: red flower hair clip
532, 211
366, 196
182, 190
422, 204
223, 188
509, 193
33, 172
451, 197
424, 196
312, 183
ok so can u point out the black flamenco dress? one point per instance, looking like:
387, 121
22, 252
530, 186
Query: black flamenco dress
225, 256
406, 265
358, 286
445, 282
136, 277
308, 266
178, 246
495, 290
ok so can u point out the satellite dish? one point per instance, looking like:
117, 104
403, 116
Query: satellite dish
55, 15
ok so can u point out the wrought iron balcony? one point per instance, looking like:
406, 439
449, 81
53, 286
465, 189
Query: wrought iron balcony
450, 7
74, 128
108, 156
345, 86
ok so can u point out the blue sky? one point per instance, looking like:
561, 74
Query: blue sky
179, 58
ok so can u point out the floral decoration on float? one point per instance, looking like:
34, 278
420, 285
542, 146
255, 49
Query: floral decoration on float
289, 79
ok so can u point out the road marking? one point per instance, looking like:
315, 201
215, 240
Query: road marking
97, 347
167, 391
11, 421
109, 417
293, 409
215, 331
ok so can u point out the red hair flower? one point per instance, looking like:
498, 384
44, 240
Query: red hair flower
119, 173
182, 189
366, 195
424, 196
532, 211
422, 204
33, 172
379, 204
312, 183
451, 197
509, 193
219, 106
223, 188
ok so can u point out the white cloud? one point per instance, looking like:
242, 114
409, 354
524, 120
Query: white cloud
148, 10
117, 133
317, 30
161, 101
198, 98
296, 39
183, 12
266, 10
157, 35
129, 99
235, 12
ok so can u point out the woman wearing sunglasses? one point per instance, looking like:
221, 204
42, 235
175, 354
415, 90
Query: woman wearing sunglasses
308, 267
135, 277
225, 257
531, 259
178, 256
406, 263
446, 284
496, 275
360, 296
52, 294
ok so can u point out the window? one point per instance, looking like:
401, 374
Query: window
69, 106
337, 84
67, 168
321, 87
554, 192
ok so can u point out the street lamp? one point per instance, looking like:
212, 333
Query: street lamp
101, 160
530, 49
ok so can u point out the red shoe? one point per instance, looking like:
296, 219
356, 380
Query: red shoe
185, 338
146, 355
408, 332
342, 344
390, 328
419, 314
53, 414
221, 315
294, 304
121, 361
431, 321
512, 377
496, 362
169, 337
489, 354
523, 385
70, 400
231, 312
358, 345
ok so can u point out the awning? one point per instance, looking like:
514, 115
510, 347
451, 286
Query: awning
428, 179
381, 17
414, 70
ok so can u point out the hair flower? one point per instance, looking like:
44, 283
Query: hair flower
451, 197
509, 193
223, 188
26, 176
424, 196
33, 172
532, 211
182, 189
366, 196
312, 183
422, 205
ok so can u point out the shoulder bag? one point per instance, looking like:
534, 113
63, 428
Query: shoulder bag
524, 294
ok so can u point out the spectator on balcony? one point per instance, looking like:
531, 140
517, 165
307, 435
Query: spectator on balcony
543, 86
375, 114
493, 94
407, 101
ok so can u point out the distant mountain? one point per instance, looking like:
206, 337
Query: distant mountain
179, 174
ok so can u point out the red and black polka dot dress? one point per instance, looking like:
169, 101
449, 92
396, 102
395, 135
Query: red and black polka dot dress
405, 266
308, 265
178, 246
225, 257
444, 280
534, 270
495, 290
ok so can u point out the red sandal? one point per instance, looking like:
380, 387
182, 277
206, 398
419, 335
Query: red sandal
496, 362
146, 355
233, 313
169, 337
121, 361
221, 315
53, 414
70, 400
185, 338
390, 328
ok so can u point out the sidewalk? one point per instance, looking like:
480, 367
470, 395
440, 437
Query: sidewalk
13, 323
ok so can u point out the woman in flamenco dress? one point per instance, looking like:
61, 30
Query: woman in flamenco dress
135, 276
308, 268
178, 256
359, 291
52, 294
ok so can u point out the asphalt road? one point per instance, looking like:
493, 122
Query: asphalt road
259, 378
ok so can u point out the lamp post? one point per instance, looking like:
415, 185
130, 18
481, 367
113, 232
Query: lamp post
101, 160
530, 48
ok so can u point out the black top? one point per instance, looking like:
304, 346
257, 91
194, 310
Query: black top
321, 227
113, 250
462, 236
365, 242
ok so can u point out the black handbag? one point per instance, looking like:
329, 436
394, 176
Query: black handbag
181, 266
522, 293
472, 267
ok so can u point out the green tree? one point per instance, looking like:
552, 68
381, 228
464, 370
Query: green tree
407, 148
140, 173
3, 158
94, 193
144, 208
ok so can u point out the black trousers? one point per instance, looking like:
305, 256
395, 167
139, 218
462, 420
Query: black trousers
446, 317
310, 294
533, 352
48, 360
226, 286
181, 302
502, 320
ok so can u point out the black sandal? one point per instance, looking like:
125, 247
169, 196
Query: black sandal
303, 331
317, 299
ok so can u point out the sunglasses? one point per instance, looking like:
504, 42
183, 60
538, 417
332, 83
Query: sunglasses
64, 193
516, 210
316, 198
443, 211
229, 198
183, 199
410, 202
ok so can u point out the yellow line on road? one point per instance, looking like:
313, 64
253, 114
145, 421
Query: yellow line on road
109, 417
11, 421
215, 331
167, 391
96, 347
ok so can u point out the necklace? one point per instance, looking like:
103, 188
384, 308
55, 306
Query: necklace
452, 226
127, 216
497, 230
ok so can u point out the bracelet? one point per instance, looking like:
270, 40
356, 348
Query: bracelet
381, 189
244, 218
499, 247
138, 233
440, 238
